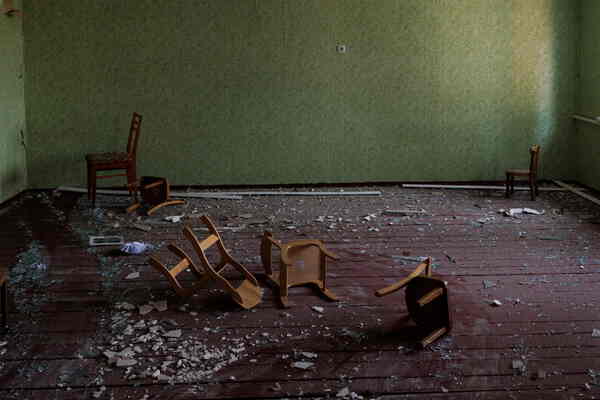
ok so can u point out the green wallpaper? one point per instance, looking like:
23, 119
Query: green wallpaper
13, 176
251, 92
588, 135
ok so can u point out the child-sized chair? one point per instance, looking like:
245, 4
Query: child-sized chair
155, 193
301, 262
426, 300
171, 273
97, 162
530, 174
248, 294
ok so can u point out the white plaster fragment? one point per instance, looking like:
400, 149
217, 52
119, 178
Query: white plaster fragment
133, 275
145, 309
302, 364
126, 362
173, 334
160, 305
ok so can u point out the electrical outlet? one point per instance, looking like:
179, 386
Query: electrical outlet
341, 48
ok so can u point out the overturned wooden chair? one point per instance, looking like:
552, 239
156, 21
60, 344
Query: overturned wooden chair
185, 262
301, 262
155, 193
426, 300
248, 294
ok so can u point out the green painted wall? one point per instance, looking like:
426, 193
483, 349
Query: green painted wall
13, 175
251, 92
588, 135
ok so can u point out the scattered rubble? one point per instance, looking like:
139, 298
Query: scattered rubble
141, 227
519, 366
146, 346
174, 218
485, 220
488, 284
515, 212
303, 364
133, 275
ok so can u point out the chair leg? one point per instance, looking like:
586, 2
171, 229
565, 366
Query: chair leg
283, 287
131, 175
132, 181
507, 186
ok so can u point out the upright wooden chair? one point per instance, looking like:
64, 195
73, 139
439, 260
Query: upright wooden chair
115, 161
301, 262
154, 193
248, 294
426, 300
530, 174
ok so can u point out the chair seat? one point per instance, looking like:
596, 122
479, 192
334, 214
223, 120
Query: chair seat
518, 172
249, 295
301, 262
107, 157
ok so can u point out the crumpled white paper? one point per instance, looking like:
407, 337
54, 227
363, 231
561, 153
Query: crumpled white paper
135, 247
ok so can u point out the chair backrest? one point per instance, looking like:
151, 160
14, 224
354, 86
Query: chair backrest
134, 134
248, 294
534, 151
201, 246
171, 273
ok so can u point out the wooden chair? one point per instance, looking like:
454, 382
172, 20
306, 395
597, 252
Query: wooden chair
301, 262
154, 192
4, 297
115, 161
426, 300
530, 174
248, 294
185, 262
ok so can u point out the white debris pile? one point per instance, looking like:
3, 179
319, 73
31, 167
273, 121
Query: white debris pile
174, 218
161, 350
485, 220
515, 212
345, 393
519, 366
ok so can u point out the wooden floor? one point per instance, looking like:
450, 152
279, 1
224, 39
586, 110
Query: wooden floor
69, 302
